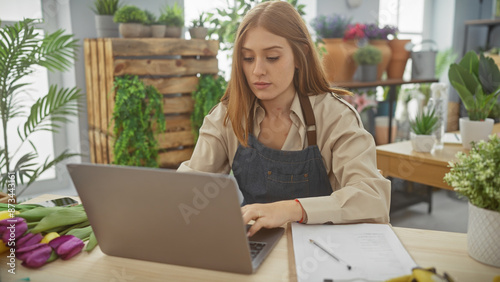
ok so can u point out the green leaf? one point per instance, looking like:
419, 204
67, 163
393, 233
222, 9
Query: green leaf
489, 74
81, 233
92, 242
63, 217
470, 62
38, 213
464, 83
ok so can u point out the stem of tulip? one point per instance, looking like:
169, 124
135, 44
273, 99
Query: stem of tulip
79, 225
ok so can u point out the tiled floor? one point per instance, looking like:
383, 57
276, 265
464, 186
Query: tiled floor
448, 214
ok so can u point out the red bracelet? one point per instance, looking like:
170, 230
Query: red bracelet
302, 218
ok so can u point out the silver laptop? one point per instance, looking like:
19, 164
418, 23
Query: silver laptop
188, 219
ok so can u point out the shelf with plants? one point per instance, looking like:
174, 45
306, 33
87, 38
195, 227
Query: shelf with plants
171, 65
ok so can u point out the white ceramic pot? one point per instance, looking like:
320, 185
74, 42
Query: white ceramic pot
474, 131
105, 26
483, 239
422, 143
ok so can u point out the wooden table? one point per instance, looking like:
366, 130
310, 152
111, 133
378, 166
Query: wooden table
399, 160
446, 251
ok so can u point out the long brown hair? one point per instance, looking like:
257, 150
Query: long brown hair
281, 19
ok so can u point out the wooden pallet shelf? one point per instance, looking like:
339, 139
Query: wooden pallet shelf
169, 64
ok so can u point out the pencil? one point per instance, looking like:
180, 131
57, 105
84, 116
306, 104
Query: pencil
330, 253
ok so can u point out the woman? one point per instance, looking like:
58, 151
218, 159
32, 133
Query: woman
297, 150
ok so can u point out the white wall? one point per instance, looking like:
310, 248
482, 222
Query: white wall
367, 12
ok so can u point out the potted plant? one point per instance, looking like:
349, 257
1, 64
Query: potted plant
131, 20
337, 61
378, 37
399, 54
22, 50
157, 27
477, 82
368, 58
173, 18
422, 128
198, 29
475, 176
147, 27
104, 11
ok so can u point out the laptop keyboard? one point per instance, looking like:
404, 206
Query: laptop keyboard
255, 248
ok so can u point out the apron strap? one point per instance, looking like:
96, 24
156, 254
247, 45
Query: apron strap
308, 113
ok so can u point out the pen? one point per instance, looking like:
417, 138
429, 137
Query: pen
330, 253
456, 136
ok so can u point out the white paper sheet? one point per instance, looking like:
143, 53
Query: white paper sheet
373, 250
452, 138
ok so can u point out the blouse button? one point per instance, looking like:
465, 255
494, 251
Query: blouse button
306, 175
269, 172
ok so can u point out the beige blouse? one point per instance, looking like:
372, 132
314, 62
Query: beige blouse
360, 193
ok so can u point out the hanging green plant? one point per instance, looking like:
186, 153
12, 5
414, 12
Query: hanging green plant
208, 93
137, 108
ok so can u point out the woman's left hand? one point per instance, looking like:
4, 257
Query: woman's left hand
270, 215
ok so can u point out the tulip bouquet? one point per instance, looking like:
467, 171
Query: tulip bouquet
39, 235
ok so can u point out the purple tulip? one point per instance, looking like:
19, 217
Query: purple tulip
12, 228
28, 240
35, 255
67, 246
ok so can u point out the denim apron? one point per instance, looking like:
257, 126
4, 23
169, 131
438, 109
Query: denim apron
267, 175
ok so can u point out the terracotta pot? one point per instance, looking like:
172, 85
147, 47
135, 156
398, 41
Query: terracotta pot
383, 46
130, 30
338, 62
399, 58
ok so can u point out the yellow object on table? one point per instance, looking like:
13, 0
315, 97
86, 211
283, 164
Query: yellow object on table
423, 275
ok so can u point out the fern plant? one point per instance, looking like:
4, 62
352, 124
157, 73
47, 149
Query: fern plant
137, 108
208, 93
425, 123
22, 48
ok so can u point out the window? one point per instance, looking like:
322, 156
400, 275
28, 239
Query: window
407, 15
47, 143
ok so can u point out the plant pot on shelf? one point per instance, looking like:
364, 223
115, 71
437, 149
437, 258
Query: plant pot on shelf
423, 63
474, 131
483, 241
158, 30
382, 130
422, 143
198, 32
173, 31
130, 30
147, 31
337, 61
368, 72
399, 58
105, 26
383, 46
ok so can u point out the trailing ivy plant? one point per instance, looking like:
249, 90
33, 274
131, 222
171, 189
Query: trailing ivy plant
137, 108
208, 93
21, 49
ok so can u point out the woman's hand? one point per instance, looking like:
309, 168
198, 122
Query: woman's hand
271, 215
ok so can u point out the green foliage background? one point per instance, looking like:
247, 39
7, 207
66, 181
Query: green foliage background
137, 108
208, 93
